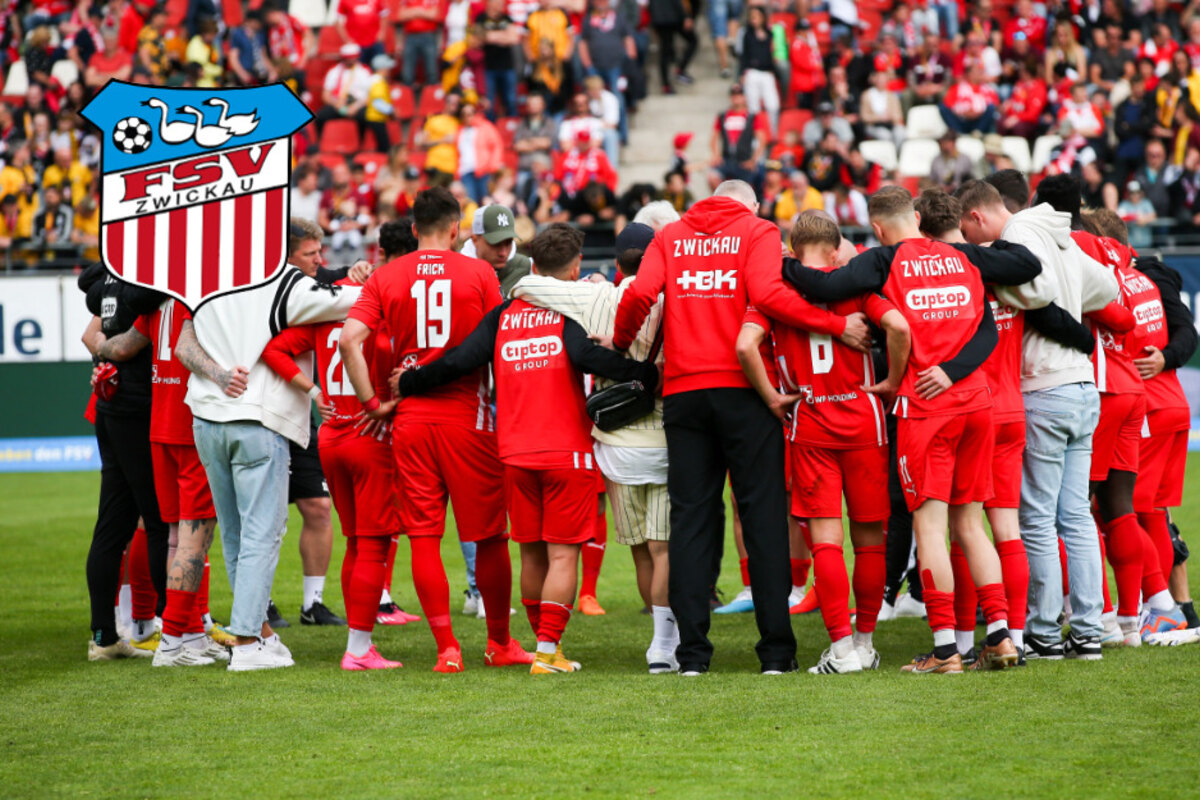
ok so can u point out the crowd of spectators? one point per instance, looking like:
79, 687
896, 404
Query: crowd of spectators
529, 102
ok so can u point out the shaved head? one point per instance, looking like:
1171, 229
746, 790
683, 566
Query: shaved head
740, 191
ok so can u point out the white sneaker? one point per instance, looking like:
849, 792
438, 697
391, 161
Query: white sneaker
472, 604
829, 664
118, 649
158, 625
480, 612
1174, 638
661, 662
909, 606
276, 646
797, 596
887, 612
1111, 635
259, 656
210, 649
182, 656
1131, 634
868, 657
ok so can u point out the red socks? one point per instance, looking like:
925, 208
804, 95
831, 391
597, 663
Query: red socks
966, 599
592, 556
1126, 557
1153, 580
553, 621
870, 574
1108, 606
533, 610
389, 564
745, 565
493, 576
1014, 566
995, 604
939, 606
362, 580
1155, 524
179, 613
433, 590
145, 598
829, 564
800, 570
1062, 560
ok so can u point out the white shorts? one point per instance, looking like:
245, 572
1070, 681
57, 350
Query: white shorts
641, 513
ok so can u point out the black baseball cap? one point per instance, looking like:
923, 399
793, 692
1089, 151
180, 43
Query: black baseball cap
634, 236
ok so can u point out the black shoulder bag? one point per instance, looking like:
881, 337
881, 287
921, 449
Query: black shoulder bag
616, 406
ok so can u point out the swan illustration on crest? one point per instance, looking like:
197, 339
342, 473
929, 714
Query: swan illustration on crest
240, 124
170, 132
203, 133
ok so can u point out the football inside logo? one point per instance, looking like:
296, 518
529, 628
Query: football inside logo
132, 135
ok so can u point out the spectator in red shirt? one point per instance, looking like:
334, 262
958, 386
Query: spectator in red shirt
971, 105
889, 58
288, 39
1027, 25
132, 18
1021, 114
1159, 48
111, 64
584, 164
1086, 119
808, 71
739, 142
421, 23
361, 22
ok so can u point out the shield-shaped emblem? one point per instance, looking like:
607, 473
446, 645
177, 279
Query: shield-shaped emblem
194, 196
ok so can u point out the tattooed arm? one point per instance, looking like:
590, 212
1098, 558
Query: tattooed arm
123, 346
193, 356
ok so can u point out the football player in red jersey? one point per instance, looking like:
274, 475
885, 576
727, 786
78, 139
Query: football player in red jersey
444, 444
838, 444
940, 218
944, 431
181, 485
545, 435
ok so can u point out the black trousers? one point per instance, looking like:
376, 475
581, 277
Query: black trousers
899, 530
666, 49
709, 432
126, 492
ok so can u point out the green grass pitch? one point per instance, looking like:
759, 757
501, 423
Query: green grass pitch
1126, 726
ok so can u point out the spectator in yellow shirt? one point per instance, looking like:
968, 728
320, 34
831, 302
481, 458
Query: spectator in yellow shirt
551, 23
87, 228
379, 101
17, 173
202, 50
73, 176
797, 198
439, 138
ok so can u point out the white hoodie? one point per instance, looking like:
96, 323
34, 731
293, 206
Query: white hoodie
1071, 279
234, 330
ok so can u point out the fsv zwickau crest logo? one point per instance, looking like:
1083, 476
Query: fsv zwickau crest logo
194, 198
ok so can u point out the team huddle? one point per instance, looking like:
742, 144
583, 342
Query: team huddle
989, 357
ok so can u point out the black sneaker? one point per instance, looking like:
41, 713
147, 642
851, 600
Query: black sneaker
1020, 656
970, 657
692, 670
684, 78
780, 667
1083, 648
274, 618
319, 614
716, 599
1037, 648
726, 74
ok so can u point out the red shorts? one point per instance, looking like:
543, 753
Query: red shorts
361, 474
1007, 460
822, 475
436, 462
1162, 461
1118, 435
946, 458
180, 483
557, 506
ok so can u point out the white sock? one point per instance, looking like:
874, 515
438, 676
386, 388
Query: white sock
943, 638
170, 642
665, 629
842, 647
208, 622
997, 625
385, 598
864, 640
1018, 638
964, 641
314, 586
194, 640
247, 648
1162, 601
125, 606
1127, 624
358, 643
547, 648
142, 629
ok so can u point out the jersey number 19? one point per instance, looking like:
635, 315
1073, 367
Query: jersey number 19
433, 312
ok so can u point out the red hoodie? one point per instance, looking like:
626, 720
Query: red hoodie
711, 264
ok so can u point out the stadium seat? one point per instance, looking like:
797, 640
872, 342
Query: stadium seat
912, 183
821, 29
314, 78
972, 148
432, 101
331, 160
925, 122
1017, 149
18, 78
66, 71
176, 12
1041, 152
329, 42
310, 13
787, 20
916, 156
403, 102
416, 158
793, 119
879, 151
372, 163
871, 22
340, 136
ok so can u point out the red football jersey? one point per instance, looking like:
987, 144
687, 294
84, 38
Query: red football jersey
1003, 367
170, 417
941, 295
535, 382
323, 340
1163, 390
835, 413
1113, 358
430, 301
